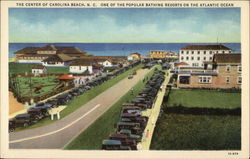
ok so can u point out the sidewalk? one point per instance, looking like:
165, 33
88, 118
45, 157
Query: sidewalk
153, 116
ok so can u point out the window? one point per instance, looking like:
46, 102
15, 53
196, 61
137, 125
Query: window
182, 52
228, 68
227, 79
195, 64
217, 52
210, 58
239, 80
230, 51
184, 79
239, 69
205, 79
223, 52
192, 52
204, 52
182, 57
204, 58
187, 52
80, 67
187, 58
210, 52
198, 52
192, 58
198, 58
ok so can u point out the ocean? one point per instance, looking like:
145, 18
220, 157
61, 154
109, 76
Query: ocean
118, 49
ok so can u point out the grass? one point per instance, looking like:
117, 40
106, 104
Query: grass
92, 137
207, 120
16, 68
79, 101
204, 98
47, 83
197, 132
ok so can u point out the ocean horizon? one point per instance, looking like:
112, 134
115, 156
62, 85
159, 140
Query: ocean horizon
120, 49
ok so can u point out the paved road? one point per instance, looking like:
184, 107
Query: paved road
56, 135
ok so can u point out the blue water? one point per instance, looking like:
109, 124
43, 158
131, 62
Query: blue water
118, 49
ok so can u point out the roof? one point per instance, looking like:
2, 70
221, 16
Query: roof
68, 77
58, 49
38, 67
205, 47
58, 57
82, 62
181, 64
111, 142
136, 53
116, 135
227, 58
211, 73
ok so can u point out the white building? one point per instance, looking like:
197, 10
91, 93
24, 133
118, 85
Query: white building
38, 69
195, 55
105, 63
81, 66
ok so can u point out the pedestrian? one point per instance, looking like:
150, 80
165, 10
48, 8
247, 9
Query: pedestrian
147, 134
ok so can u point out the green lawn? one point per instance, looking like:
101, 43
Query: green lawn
197, 132
84, 98
204, 98
15, 68
26, 84
92, 137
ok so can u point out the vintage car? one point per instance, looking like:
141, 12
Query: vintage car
134, 127
113, 145
12, 126
130, 76
125, 140
130, 135
36, 113
21, 120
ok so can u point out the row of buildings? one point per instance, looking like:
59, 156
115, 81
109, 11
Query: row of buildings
77, 60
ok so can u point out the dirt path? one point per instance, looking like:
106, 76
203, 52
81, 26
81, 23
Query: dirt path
14, 105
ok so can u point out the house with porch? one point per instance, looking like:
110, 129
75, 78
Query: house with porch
81, 67
224, 71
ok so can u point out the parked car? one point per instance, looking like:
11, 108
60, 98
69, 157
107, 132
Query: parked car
125, 140
36, 114
22, 120
113, 145
12, 125
130, 76
134, 127
130, 135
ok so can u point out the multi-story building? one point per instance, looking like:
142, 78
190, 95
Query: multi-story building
160, 54
224, 71
195, 55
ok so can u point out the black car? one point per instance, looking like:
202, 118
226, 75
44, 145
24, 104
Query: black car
22, 120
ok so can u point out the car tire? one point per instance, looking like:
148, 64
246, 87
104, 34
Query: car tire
11, 130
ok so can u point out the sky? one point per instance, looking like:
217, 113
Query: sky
124, 25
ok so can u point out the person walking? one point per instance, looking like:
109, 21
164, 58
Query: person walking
147, 134
132, 91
